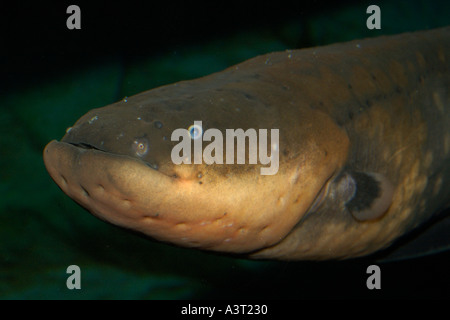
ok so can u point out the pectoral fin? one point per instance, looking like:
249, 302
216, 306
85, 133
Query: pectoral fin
367, 195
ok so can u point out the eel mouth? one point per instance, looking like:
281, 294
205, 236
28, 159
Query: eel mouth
234, 214
86, 146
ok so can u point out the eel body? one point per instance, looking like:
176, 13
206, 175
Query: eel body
364, 149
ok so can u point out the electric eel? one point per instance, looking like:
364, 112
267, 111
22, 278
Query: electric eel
363, 152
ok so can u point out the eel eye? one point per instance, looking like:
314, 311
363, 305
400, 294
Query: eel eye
140, 147
195, 131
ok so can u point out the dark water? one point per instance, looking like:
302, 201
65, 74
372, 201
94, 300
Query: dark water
50, 77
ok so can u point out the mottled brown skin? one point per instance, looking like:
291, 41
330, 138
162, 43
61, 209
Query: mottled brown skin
378, 106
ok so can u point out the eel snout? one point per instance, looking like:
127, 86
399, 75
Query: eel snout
220, 215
